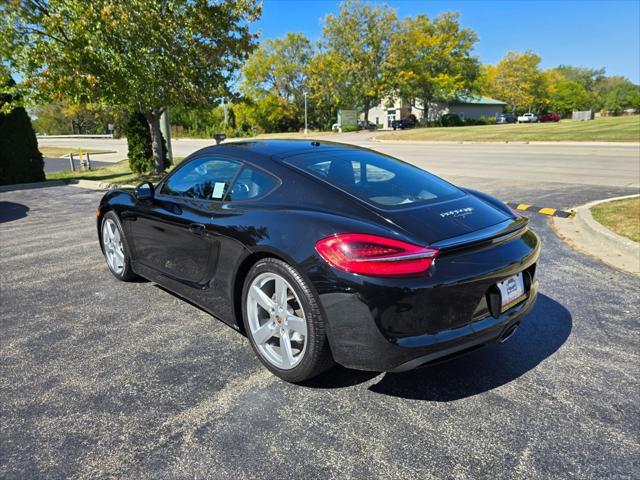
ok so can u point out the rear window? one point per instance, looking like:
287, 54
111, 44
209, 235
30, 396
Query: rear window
375, 178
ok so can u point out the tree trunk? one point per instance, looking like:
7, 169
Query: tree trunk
153, 118
366, 110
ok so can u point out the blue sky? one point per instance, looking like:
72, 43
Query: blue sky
585, 33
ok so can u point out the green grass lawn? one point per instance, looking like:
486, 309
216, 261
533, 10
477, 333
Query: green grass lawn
117, 173
55, 152
621, 216
606, 129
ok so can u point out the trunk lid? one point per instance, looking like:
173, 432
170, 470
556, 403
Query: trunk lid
433, 223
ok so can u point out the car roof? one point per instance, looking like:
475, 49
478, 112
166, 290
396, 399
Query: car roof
272, 149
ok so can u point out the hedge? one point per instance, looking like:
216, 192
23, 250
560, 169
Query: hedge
20, 159
140, 147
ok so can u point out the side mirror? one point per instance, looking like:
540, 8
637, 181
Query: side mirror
144, 191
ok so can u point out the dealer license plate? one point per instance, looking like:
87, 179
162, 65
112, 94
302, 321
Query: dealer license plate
512, 291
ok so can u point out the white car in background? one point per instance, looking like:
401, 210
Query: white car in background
528, 118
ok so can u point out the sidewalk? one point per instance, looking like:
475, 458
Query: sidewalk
588, 236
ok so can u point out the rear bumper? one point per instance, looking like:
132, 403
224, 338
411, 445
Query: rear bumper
397, 325
475, 335
367, 349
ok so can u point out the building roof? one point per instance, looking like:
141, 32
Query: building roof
476, 100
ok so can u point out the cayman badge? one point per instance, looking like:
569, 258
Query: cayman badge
457, 213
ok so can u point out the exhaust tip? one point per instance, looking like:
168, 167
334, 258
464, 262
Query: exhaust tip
509, 332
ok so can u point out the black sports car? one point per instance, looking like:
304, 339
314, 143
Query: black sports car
324, 252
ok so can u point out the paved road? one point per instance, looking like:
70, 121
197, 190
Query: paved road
105, 379
62, 164
588, 164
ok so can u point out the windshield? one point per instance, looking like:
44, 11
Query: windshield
376, 178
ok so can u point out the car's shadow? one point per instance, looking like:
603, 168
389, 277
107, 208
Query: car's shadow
542, 333
10, 211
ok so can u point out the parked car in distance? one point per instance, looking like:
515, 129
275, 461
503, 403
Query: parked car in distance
335, 127
528, 118
549, 117
506, 118
322, 252
403, 123
366, 125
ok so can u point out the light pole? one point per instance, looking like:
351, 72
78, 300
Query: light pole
226, 118
306, 130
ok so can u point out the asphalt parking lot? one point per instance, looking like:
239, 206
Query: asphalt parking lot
105, 379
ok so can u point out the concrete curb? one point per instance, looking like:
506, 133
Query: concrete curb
30, 186
56, 137
96, 185
588, 236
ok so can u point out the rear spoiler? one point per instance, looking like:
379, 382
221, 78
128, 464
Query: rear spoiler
500, 232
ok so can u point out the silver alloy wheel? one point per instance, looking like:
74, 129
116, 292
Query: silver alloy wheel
276, 320
113, 248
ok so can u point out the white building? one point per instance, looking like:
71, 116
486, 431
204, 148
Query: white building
469, 106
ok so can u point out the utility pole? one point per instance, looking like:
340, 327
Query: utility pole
306, 130
226, 116
165, 128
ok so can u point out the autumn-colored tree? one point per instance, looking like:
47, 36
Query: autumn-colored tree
142, 55
269, 113
61, 118
278, 68
431, 59
327, 84
357, 43
518, 81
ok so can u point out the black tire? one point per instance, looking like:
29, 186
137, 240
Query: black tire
127, 274
317, 357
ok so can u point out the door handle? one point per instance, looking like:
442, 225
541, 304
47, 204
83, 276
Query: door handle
197, 228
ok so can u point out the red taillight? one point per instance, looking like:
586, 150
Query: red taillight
373, 255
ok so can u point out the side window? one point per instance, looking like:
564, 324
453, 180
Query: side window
251, 183
207, 178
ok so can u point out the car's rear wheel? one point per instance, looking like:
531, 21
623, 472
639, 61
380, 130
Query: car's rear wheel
283, 321
115, 249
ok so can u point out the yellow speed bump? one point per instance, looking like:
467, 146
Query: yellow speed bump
553, 212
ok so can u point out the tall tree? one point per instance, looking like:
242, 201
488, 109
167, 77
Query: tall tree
328, 85
431, 59
621, 97
278, 66
359, 39
143, 55
568, 96
517, 80
587, 77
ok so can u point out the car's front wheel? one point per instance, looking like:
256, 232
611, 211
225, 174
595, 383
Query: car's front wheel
115, 248
283, 321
